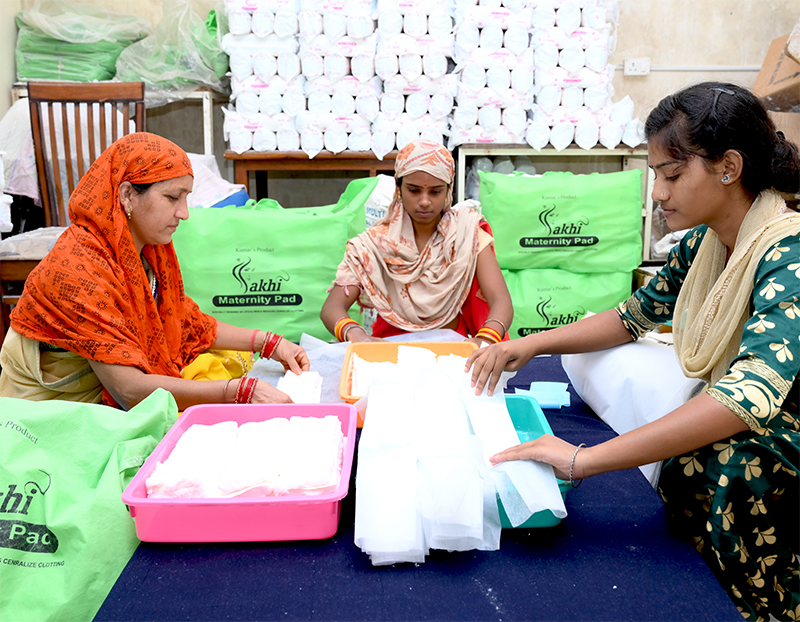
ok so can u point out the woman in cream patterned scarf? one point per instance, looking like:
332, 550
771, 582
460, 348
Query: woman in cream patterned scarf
427, 264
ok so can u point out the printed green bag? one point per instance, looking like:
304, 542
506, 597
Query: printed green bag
264, 266
549, 298
65, 534
581, 223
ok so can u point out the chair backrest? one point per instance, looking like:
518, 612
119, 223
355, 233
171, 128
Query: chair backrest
72, 124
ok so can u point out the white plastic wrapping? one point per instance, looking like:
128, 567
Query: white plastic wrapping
611, 134
263, 23
561, 135
415, 23
587, 133
410, 66
362, 66
390, 23
241, 64
319, 103
568, 17
537, 134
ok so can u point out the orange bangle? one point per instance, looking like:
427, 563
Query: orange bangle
341, 325
489, 334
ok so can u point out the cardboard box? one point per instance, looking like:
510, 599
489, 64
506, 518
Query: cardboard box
793, 45
778, 82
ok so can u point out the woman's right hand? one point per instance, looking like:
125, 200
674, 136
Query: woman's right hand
358, 334
489, 362
550, 450
265, 393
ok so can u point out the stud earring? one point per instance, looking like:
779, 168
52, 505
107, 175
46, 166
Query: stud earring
726, 178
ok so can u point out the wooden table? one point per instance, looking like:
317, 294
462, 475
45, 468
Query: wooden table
248, 161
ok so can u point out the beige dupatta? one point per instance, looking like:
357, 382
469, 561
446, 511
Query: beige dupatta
714, 301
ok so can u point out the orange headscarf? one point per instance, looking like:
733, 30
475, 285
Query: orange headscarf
90, 294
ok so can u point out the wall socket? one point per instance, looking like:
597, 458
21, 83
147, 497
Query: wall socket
637, 66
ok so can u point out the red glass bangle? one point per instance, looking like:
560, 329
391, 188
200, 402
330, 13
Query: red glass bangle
270, 345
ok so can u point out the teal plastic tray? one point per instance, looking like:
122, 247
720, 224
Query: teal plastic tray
530, 423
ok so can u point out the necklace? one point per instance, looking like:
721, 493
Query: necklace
151, 275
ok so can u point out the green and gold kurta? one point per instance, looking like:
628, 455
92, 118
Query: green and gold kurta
738, 500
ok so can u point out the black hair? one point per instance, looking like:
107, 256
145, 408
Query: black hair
141, 188
708, 119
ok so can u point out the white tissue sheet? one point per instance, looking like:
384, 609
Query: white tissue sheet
303, 388
424, 480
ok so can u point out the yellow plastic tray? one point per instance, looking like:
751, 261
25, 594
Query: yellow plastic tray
386, 351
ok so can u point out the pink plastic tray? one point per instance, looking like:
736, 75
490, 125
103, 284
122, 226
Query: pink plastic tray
247, 519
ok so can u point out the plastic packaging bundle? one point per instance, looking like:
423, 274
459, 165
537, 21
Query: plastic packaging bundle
573, 84
62, 40
478, 71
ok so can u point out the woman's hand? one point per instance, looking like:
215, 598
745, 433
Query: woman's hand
293, 357
550, 450
488, 363
358, 334
265, 393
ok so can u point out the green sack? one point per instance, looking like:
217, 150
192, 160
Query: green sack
268, 267
581, 223
65, 534
546, 299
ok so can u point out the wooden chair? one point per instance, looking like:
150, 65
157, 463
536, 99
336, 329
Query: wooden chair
72, 124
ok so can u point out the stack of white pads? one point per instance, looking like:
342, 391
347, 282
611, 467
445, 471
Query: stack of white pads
424, 479
374, 75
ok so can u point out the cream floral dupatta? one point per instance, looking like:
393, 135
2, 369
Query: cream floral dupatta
415, 289
714, 301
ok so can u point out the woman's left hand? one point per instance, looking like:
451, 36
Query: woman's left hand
293, 357
548, 449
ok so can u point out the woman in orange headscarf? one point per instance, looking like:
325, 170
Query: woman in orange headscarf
426, 265
104, 315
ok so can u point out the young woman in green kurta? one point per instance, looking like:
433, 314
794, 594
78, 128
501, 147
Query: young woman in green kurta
731, 480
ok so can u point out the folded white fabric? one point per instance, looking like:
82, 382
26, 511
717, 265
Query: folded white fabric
424, 481
279, 456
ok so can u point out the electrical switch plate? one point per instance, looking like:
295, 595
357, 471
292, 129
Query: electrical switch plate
637, 66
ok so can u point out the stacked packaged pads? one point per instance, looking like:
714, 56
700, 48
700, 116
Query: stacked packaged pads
363, 75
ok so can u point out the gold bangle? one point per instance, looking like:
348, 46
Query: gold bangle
348, 327
491, 319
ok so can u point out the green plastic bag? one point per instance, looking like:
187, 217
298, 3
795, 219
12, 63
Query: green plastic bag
545, 299
65, 534
63, 40
183, 52
581, 223
264, 266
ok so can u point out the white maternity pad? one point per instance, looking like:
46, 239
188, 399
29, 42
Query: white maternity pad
525, 487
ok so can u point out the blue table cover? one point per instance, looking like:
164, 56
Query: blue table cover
612, 558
